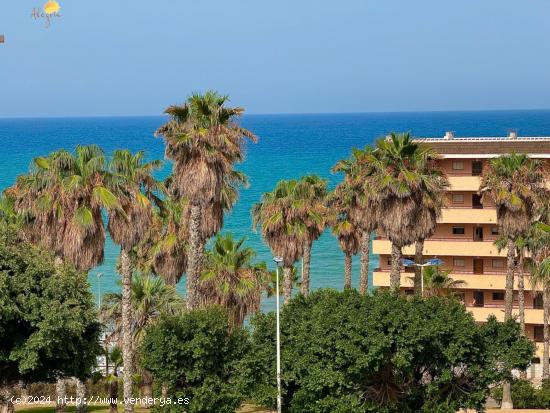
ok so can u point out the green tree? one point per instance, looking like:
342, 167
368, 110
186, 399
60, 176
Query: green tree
195, 355
347, 352
231, 279
406, 185
204, 141
438, 282
280, 214
48, 321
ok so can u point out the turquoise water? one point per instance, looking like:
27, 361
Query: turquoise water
289, 146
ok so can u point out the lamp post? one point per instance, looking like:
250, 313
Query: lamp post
278, 262
99, 275
433, 262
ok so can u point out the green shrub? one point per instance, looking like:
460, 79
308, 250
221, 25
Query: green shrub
347, 353
195, 356
525, 395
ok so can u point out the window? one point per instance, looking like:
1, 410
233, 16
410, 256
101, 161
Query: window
494, 230
498, 296
458, 198
476, 201
459, 230
498, 264
477, 168
538, 333
538, 301
409, 292
389, 261
458, 262
458, 165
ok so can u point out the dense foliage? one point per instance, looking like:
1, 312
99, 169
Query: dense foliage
48, 322
195, 355
344, 352
527, 396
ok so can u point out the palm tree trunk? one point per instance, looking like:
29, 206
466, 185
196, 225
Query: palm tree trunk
395, 274
127, 356
418, 258
306, 264
506, 396
347, 271
6, 406
146, 386
61, 393
81, 405
546, 333
509, 295
521, 293
195, 256
287, 284
365, 260
113, 393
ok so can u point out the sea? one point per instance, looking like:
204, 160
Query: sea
289, 146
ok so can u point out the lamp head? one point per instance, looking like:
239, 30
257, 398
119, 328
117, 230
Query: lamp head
278, 260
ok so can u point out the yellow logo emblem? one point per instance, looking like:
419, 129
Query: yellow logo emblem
51, 7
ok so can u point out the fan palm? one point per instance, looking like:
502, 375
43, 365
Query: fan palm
515, 183
231, 279
402, 172
133, 180
348, 235
362, 209
280, 214
438, 282
311, 192
204, 141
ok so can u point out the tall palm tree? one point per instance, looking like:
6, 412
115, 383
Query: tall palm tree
231, 279
311, 192
403, 171
348, 235
62, 199
515, 183
438, 282
150, 298
362, 209
204, 141
134, 181
280, 216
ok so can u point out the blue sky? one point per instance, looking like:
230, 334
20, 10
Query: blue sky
134, 58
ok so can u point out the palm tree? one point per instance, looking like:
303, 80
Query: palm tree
438, 282
114, 356
280, 215
515, 183
133, 180
204, 141
62, 199
311, 192
150, 298
231, 279
348, 235
362, 209
402, 175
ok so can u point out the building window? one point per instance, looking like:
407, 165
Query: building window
498, 264
458, 262
498, 296
458, 165
458, 198
538, 302
459, 230
389, 261
538, 333
494, 230
409, 292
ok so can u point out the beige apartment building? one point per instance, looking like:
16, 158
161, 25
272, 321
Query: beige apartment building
468, 228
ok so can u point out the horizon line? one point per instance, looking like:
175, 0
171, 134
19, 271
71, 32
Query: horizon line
285, 113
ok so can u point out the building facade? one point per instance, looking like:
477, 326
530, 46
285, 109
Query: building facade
465, 234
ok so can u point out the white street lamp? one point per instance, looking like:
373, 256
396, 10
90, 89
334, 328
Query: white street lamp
99, 275
433, 262
278, 261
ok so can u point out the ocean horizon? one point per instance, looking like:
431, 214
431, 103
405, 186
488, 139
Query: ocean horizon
290, 145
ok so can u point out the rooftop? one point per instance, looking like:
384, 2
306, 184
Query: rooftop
450, 146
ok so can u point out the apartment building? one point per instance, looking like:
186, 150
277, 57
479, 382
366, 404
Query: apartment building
465, 235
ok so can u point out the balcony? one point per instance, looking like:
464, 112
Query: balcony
464, 183
472, 281
444, 247
532, 316
468, 216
